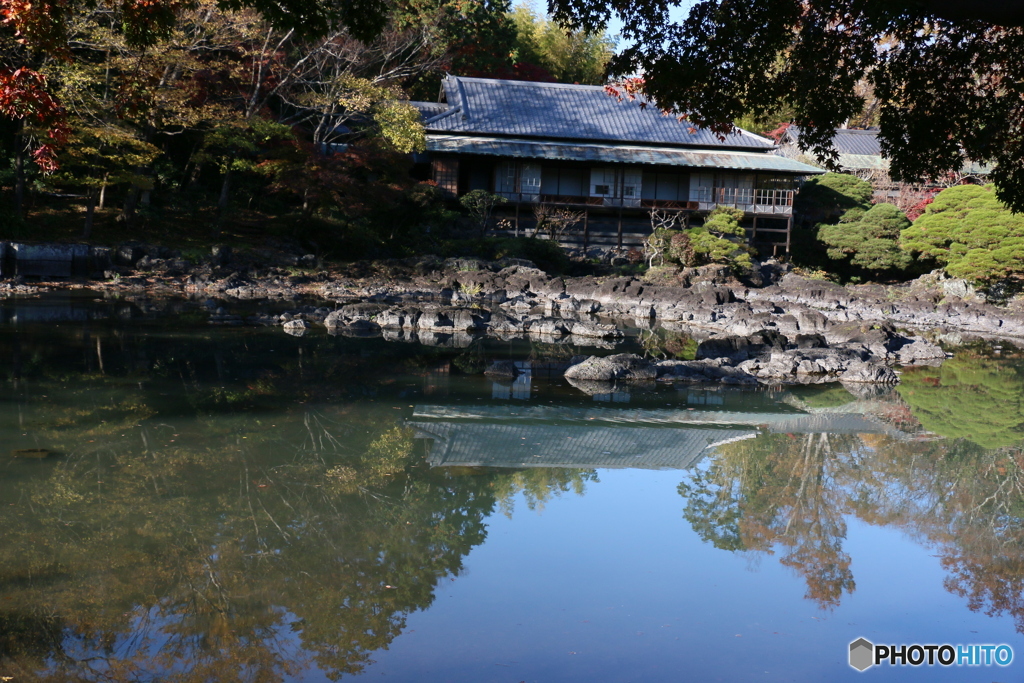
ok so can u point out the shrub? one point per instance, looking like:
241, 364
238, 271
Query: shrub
971, 234
717, 241
826, 198
480, 205
869, 239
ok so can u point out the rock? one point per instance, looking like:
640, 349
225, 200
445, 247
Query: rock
100, 259
684, 370
548, 326
919, 352
871, 373
596, 330
802, 365
128, 254
810, 341
741, 348
620, 366
961, 289
49, 260
398, 318
502, 369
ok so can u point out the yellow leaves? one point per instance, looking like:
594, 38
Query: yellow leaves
396, 121
400, 125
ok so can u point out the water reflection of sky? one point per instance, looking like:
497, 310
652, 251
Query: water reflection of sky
616, 586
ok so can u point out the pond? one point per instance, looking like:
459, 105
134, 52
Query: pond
186, 502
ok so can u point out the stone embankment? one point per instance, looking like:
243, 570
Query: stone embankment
776, 327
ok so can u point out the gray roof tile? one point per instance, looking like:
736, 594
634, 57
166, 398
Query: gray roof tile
558, 111
617, 154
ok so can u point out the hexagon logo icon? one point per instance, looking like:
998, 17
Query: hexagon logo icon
862, 654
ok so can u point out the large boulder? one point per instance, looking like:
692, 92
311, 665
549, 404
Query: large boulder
869, 373
737, 348
710, 370
620, 366
919, 352
502, 369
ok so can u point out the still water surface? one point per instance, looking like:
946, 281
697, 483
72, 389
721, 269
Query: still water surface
180, 502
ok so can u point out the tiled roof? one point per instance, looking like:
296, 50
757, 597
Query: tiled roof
617, 154
557, 111
429, 110
859, 150
596, 437
518, 445
846, 140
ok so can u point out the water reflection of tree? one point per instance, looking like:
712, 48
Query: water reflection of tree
790, 493
220, 559
231, 546
965, 500
778, 491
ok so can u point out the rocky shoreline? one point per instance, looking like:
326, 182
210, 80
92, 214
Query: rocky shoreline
774, 327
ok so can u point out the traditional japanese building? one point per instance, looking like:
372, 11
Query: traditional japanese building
613, 159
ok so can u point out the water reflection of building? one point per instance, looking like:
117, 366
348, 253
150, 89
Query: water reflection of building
519, 388
437, 381
605, 437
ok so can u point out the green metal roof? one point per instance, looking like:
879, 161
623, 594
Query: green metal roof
617, 154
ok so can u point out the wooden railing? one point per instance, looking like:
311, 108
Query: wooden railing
761, 202
771, 202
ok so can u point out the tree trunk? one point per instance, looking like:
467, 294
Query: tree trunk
131, 202
19, 171
90, 208
103, 192
225, 192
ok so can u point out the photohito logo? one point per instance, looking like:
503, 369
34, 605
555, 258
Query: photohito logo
864, 654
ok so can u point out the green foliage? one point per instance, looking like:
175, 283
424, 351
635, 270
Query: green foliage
826, 198
480, 205
937, 71
716, 241
396, 122
662, 343
971, 234
96, 156
571, 56
869, 239
971, 396
724, 220
821, 201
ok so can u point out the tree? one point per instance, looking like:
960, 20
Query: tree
718, 240
569, 56
869, 240
480, 205
826, 198
948, 77
973, 235
99, 156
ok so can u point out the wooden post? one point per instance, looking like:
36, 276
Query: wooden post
517, 218
586, 230
753, 234
789, 233
620, 229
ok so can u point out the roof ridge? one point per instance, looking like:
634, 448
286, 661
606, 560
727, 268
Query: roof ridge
532, 84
